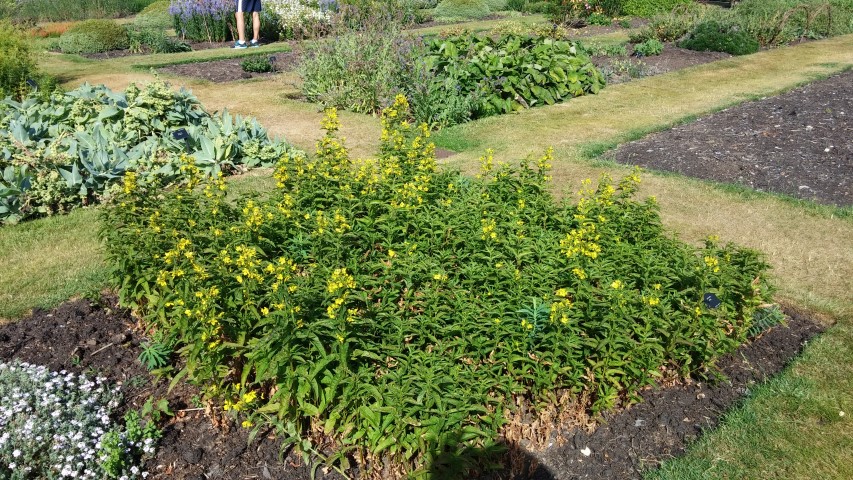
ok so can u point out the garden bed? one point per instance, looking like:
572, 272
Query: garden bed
229, 70
101, 338
672, 58
796, 144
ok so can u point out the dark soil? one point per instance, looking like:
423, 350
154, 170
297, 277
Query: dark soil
796, 144
625, 69
667, 420
230, 70
102, 339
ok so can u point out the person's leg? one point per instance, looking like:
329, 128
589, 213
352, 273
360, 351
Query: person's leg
241, 22
256, 26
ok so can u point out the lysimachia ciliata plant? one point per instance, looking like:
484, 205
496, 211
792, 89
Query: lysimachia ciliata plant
57, 425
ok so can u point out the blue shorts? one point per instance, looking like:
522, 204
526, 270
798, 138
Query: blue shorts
248, 6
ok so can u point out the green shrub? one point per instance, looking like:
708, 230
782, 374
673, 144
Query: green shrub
596, 18
257, 64
153, 40
649, 8
456, 10
72, 149
513, 72
714, 36
398, 312
358, 70
672, 26
93, 36
155, 15
58, 10
17, 61
649, 48
774, 22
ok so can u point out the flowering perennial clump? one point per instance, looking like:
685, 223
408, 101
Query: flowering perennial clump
57, 425
294, 13
389, 309
202, 20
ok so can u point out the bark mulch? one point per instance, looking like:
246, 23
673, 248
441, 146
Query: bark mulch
796, 144
101, 338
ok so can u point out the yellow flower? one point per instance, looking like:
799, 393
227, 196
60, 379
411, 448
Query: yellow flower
562, 292
392, 253
265, 311
616, 285
247, 424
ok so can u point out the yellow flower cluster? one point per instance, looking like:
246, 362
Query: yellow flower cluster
339, 284
245, 401
544, 164
216, 186
581, 241
130, 178
330, 122
254, 216
560, 311
487, 163
489, 228
713, 263
190, 172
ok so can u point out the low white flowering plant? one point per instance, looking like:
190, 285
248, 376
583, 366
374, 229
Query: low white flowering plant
56, 425
296, 13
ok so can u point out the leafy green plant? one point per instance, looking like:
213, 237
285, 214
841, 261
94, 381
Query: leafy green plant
596, 18
155, 352
258, 64
124, 449
73, 148
649, 8
93, 36
606, 50
649, 48
764, 319
513, 72
153, 40
719, 37
397, 311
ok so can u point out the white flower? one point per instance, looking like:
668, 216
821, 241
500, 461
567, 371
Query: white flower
16, 453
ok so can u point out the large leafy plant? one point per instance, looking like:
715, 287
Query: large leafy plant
398, 314
513, 72
69, 149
